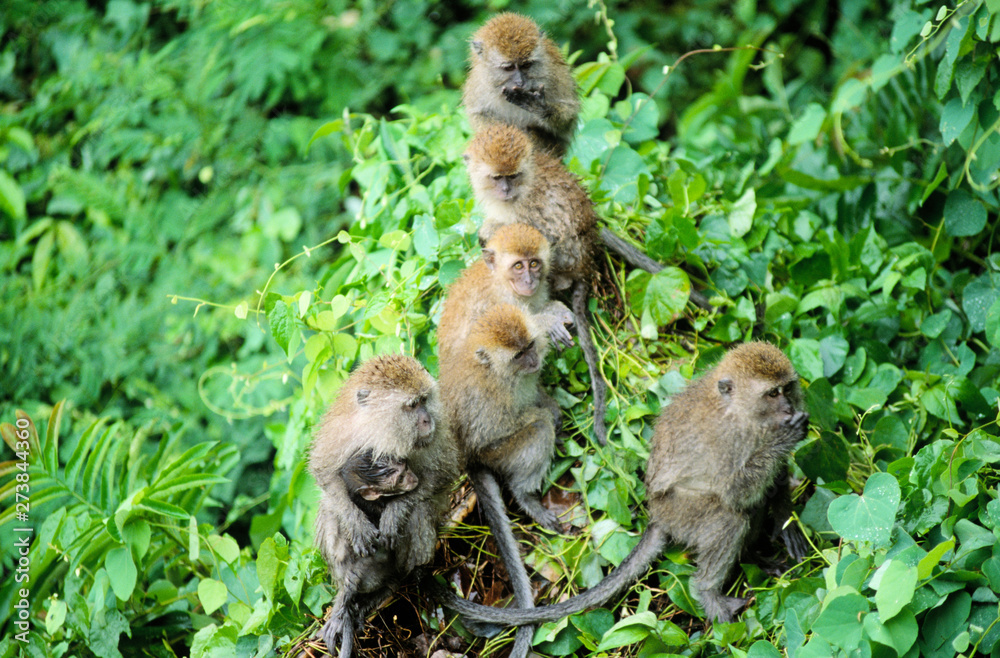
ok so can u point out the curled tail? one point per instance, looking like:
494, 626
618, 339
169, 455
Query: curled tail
648, 549
636, 258
579, 303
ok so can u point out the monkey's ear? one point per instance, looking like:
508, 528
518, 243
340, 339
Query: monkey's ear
363, 396
726, 387
369, 493
477, 46
490, 258
483, 356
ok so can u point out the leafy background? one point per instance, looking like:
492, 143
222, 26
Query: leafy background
210, 211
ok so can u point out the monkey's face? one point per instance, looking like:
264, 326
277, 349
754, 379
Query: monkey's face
524, 274
525, 361
418, 417
780, 404
515, 75
507, 187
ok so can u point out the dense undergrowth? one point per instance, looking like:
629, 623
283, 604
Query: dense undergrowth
830, 184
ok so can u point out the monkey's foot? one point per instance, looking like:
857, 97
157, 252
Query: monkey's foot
338, 625
721, 608
795, 542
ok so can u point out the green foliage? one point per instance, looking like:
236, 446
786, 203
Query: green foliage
834, 192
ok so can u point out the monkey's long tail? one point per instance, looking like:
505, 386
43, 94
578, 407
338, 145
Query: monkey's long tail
636, 258
648, 549
590, 355
492, 505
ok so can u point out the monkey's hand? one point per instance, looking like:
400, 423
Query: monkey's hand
364, 537
558, 317
793, 430
532, 100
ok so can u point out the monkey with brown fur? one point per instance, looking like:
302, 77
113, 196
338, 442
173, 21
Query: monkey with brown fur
388, 406
518, 77
513, 270
505, 425
517, 183
717, 450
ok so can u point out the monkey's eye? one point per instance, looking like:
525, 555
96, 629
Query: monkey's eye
774, 392
526, 65
518, 265
412, 404
534, 263
508, 66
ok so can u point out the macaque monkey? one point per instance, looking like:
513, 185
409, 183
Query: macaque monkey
517, 183
717, 450
513, 270
504, 424
518, 77
371, 481
502, 419
388, 408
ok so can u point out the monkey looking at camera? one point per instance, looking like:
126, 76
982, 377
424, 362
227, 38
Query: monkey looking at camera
513, 270
518, 77
717, 449
517, 183
389, 407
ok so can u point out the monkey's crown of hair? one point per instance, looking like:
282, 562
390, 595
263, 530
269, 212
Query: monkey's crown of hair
503, 325
501, 146
514, 36
520, 239
762, 360
393, 372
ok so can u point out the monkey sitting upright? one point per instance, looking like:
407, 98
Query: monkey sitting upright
717, 449
519, 77
514, 269
387, 408
517, 183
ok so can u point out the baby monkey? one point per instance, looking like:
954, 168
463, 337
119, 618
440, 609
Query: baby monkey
717, 450
519, 77
370, 481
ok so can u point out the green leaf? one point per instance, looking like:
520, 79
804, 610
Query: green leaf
267, 566
282, 321
122, 572
667, 294
630, 630
741, 215
763, 649
954, 119
11, 197
927, 563
225, 547
963, 215
868, 517
212, 594
621, 176
992, 324
839, 624
849, 95
804, 353
944, 622
895, 588
900, 632
807, 126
